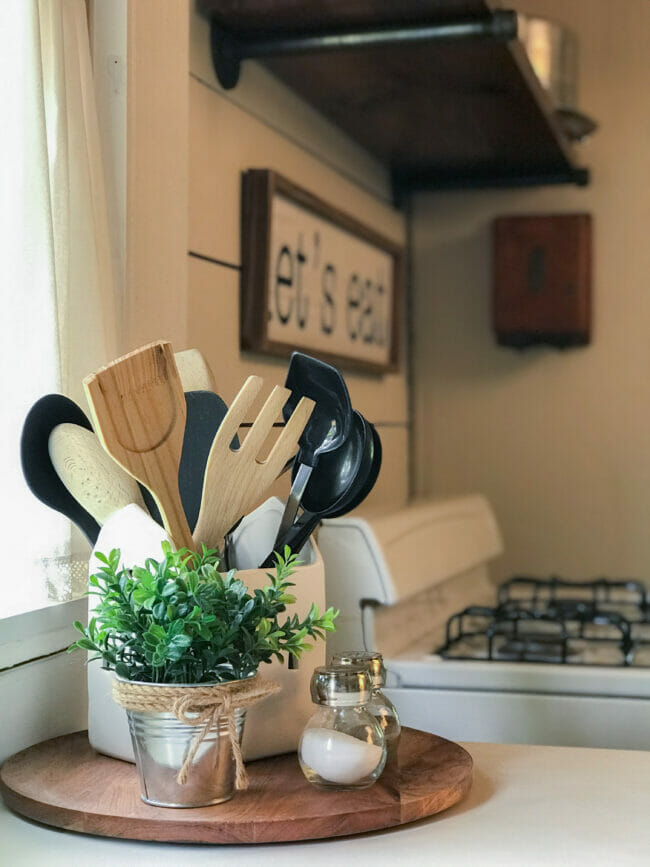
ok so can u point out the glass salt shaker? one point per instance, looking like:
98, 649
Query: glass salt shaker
342, 746
379, 705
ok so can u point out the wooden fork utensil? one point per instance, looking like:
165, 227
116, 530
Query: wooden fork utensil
235, 481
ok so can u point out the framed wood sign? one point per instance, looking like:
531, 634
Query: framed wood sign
316, 279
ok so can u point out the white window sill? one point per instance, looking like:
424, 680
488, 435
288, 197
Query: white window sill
34, 634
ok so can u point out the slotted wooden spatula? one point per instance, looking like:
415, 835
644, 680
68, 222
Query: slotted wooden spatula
235, 481
138, 408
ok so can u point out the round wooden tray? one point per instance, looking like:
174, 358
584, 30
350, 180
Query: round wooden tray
64, 782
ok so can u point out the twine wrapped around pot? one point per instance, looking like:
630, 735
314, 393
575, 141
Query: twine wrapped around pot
198, 706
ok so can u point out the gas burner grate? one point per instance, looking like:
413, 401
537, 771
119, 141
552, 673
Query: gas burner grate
602, 622
626, 597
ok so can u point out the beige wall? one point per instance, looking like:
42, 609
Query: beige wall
558, 441
262, 125
156, 173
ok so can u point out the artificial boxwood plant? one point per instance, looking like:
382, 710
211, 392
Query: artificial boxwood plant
179, 620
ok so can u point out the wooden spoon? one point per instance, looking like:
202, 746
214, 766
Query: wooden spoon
138, 408
194, 371
91, 475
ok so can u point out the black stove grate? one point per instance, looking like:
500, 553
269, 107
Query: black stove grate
600, 622
626, 597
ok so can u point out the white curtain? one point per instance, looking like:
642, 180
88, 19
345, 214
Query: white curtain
55, 267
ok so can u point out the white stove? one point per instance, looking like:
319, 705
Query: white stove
537, 660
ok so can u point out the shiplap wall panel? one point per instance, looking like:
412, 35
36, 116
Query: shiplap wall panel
261, 124
226, 140
262, 95
157, 166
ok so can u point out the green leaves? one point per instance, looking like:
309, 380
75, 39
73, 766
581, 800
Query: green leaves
179, 620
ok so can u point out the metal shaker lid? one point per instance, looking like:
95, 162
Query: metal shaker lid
370, 659
341, 685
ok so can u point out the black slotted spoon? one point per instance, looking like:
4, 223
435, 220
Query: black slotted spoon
327, 429
332, 491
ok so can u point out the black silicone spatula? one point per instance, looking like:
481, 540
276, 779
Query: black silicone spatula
40, 475
205, 412
327, 429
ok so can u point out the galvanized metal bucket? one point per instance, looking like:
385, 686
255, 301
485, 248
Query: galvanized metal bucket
161, 745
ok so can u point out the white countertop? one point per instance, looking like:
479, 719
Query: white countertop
528, 806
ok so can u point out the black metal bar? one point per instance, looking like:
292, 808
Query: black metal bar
501, 25
228, 51
432, 181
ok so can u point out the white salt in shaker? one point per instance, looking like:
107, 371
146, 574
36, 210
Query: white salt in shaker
342, 746
379, 705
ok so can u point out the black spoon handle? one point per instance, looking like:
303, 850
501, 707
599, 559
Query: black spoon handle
295, 537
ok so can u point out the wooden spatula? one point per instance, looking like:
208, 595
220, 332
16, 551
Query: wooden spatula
138, 408
235, 481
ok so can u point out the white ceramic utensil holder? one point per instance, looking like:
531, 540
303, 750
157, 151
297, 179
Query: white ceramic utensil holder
273, 726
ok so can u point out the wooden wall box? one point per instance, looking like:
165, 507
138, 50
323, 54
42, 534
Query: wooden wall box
542, 280
316, 279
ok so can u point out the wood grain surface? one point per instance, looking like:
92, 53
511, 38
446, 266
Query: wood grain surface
138, 408
95, 480
236, 482
441, 113
65, 783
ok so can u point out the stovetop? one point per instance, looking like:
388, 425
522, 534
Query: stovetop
603, 622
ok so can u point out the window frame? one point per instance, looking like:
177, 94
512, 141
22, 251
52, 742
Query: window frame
39, 633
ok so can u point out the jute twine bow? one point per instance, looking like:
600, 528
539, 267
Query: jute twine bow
199, 706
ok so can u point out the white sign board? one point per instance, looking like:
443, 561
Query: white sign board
329, 283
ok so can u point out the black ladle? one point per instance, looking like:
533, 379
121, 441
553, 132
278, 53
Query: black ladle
307, 523
328, 426
338, 484
366, 486
41, 477
337, 471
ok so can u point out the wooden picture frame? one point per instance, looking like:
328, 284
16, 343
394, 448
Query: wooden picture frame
316, 279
